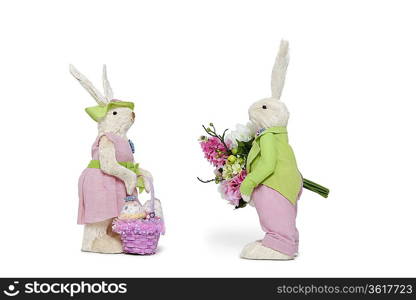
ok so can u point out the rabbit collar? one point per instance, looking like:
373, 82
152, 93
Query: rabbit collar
276, 129
98, 112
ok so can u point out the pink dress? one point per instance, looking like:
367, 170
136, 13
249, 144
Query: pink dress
101, 196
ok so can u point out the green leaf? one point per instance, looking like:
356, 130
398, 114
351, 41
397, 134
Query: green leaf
243, 148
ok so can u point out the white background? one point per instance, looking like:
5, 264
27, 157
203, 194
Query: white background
350, 89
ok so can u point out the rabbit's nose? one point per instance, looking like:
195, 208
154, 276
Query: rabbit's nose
133, 115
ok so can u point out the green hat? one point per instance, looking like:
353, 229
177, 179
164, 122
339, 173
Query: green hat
105, 102
100, 111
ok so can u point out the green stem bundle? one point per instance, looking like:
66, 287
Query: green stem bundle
314, 187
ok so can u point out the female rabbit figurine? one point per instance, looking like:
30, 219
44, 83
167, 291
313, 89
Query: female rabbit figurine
273, 183
112, 173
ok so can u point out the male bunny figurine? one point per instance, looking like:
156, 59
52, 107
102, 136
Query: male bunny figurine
112, 173
273, 183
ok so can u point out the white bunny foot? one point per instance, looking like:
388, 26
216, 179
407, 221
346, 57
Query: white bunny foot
107, 244
256, 250
98, 238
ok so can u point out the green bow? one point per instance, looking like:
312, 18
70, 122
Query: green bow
134, 167
98, 112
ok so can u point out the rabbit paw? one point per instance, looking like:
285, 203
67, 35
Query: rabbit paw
246, 198
146, 184
146, 173
147, 177
130, 183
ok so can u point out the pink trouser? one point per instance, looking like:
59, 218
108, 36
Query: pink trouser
278, 219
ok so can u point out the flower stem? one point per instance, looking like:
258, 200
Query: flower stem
205, 181
213, 133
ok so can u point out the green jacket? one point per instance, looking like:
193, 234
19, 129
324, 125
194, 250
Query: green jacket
271, 162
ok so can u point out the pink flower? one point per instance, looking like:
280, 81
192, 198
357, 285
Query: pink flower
215, 151
230, 189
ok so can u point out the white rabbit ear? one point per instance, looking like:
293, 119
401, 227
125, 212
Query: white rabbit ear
101, 100
108, 92
279, 69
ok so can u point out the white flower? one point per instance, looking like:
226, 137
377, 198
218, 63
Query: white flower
242, 133
230, 170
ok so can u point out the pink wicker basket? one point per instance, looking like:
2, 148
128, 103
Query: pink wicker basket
140, 236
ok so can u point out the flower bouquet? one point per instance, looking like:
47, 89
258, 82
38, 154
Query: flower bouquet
228, 153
